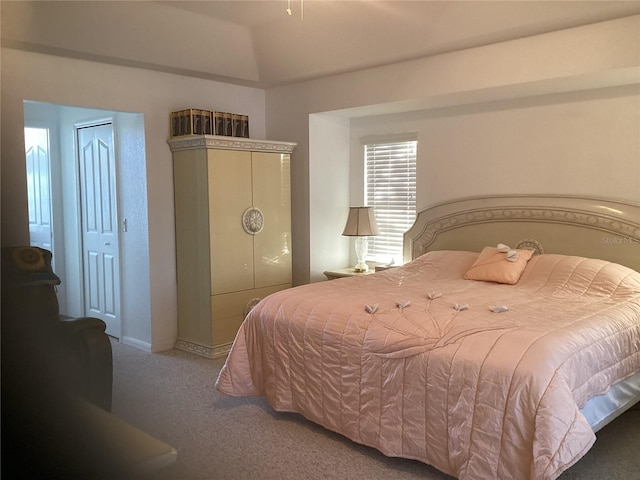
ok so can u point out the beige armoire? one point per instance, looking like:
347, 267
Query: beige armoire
233, 233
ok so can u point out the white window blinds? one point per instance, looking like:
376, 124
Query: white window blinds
390, 188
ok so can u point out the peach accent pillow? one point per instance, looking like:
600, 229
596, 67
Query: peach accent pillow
492, 266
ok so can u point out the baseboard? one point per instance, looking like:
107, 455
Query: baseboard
203, 350
163, 346
134, 342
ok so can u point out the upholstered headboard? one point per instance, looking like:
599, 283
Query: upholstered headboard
585, 226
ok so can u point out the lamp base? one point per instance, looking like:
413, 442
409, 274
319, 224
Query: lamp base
361, 267
362, 246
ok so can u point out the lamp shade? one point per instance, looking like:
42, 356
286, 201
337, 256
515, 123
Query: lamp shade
360, 223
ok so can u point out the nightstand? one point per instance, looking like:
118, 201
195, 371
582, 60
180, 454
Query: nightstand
346, 272
381, 268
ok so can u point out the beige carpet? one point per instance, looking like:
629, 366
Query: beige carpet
171, 395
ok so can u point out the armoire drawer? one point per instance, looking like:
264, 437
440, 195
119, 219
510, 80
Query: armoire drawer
229, 309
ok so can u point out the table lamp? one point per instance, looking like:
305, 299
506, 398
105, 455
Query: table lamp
361, 224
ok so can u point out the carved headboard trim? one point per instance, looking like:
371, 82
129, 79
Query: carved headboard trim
617, 218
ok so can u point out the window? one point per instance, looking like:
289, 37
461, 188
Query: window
390, 188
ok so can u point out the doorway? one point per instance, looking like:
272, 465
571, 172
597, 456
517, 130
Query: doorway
131, 224
72, 200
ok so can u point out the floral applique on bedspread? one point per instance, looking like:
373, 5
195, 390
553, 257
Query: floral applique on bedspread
411, 328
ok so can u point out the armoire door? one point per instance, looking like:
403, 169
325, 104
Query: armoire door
230, 195
271, 194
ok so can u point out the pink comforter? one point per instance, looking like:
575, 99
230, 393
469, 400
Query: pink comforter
477, 394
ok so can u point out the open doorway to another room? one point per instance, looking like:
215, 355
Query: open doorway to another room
85, 168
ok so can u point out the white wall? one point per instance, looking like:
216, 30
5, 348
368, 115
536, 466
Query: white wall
583, 143
71, 82
537, 73
328, 192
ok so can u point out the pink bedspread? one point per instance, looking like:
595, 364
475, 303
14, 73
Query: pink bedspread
478, 395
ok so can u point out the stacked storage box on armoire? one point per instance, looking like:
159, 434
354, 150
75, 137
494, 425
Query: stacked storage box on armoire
196, 121
233, 226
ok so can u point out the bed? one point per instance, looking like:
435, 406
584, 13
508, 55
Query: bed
510, 336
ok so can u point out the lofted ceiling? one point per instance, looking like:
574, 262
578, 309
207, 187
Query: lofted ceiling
257, 43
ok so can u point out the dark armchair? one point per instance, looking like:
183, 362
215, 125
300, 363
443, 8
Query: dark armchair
52, 370
72, 356
56, 387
